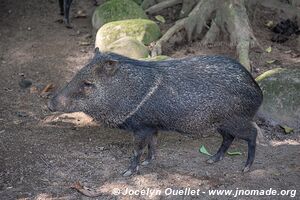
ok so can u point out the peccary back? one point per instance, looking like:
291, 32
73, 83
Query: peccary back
179, 94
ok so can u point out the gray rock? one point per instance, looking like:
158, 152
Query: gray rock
145, 31
129, 47
281, 89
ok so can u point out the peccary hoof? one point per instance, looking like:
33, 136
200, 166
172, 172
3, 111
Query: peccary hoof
214, 159
210, 161
146, 162
68, 25
246, 169
130, 171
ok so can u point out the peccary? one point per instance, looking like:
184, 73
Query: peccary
64, 6
186, 95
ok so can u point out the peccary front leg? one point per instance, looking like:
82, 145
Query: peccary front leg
141, 139
67, 5
227, 140
151, 149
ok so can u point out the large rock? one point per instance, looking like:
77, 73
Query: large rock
115, 10
139, 2
144, 30
129, 47
281, 89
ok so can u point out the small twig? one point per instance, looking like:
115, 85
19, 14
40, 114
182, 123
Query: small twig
41, 157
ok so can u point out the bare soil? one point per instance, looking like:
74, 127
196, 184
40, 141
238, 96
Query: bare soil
41, 160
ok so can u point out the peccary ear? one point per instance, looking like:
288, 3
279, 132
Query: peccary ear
110, 67
97, 51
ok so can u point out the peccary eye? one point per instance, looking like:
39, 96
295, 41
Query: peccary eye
87, 87
111, 62
110, 67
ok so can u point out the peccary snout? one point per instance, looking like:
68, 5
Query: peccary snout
58, 103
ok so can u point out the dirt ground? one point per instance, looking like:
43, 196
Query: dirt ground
39, 160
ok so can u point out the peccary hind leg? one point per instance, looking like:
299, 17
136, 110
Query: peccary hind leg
227, 140
241, 129
151, 149
251, 147
141, 139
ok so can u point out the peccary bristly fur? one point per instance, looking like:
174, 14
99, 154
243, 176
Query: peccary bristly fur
185, 95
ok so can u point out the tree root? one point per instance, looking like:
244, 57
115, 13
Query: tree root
147, 3
211, 34
187, 6
239, 28
196, 18
157, 48
227, 17
162, 5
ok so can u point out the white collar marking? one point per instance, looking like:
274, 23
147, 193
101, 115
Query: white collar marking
146, 98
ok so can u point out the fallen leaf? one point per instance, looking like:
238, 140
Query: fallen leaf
81, 14
47, 89
204, 151
33, 90
288, 51
160, 19
270, 23
84, 43
270, 61
234, 153
287, 129
269, 49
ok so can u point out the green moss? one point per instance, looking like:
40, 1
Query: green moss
129, 47
115, 10
139, 2
156, 58
143, 30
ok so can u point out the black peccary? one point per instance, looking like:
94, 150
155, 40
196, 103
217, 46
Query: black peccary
64, 6
186, 95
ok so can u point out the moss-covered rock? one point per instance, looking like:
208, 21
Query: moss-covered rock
129, 47
144, 30
281, 89
115, 10
139, 2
